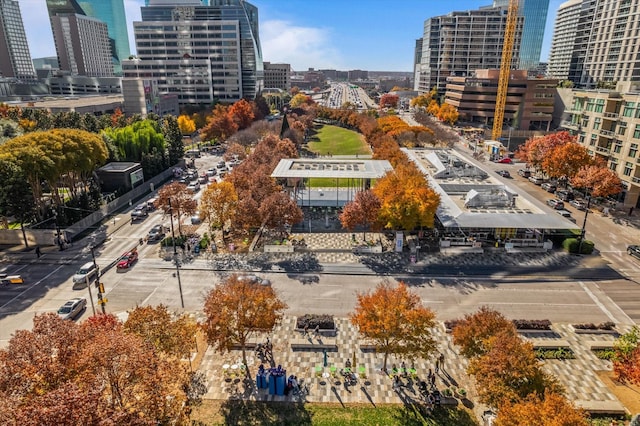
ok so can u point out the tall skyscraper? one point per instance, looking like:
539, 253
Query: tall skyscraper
459, 43
15, 59
111, 12
201, 53
535, 19
564, 37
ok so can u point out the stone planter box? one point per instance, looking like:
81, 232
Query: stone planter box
273, 248
368, 249
595, 331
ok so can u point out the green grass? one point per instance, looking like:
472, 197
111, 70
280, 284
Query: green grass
271, 413
336, 140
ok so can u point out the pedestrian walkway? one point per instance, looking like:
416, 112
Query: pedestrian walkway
318, 371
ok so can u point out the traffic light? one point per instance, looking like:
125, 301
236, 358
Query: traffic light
100, 287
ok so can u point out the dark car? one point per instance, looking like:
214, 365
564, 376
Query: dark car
524, 173
504, 173
127, 259
634, 250
156, 233
548, 186
565, 195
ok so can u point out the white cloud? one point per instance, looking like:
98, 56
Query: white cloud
302, 47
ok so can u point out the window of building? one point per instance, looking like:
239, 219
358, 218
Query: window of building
636, 132
628, 168
628, 109
596, 123
622, 128
590, 104
633, 151
599, 105
594, 137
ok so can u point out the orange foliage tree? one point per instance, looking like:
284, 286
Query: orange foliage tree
175, 199
626, 362
550, 410
219, 125
566, 160
599, 180
395, 321
186, 125
278, 211
362, 211
433, 108
448, 114
537, 149
389, 100
473, 332
236, 309
242, 114
407, 200
218, 204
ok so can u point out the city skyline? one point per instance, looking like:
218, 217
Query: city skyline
316, 34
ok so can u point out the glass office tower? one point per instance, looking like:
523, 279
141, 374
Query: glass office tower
15, 60
111, 12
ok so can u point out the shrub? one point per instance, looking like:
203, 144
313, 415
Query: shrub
325, 322
180, 241
590, 326
571, 245
560, 353
532, 324
608, 353
451, 324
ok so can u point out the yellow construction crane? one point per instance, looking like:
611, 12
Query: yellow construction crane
505, 69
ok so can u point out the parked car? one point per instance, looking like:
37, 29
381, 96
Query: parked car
195, 220
203, 179
549, 187
556, 204
72, 308
524, 173
536, 180
156, 233
87, 271
139, 214
634, 250
212, 171
127, 259
254, 279
578, 204
194, 186
566, 214
505, 160
565, 195
504, 173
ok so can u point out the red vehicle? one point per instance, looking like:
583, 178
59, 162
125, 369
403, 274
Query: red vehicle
127, 259
505, 160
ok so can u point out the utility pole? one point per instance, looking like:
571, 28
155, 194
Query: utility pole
101, 301
175, 254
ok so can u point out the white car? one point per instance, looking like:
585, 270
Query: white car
254, 279
194, 186
72, 308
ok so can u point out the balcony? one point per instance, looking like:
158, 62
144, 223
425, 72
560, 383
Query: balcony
610, 115
635, 180
607, 133
569, 125
603, 150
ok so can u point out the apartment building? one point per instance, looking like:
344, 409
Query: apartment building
200, 53
564, 36
15, 59
529, 104
607, 123
457, 44
277, 76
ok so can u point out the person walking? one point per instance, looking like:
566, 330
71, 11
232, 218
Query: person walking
437, 368
316, 330
441, 359
38, 252
305, 330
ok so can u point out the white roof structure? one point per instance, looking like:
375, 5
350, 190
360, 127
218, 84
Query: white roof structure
331, 168
454, 177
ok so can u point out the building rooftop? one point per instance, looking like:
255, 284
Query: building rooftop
331, 168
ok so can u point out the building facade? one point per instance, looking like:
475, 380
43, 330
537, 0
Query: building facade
529, 104
417, 59
15, 59
607, 123
564, 36
142, 97
459, 43
535, 19
200, 53
83, 46
111, 12
277, 76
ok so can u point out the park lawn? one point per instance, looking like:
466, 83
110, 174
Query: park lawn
213, 412
334, 140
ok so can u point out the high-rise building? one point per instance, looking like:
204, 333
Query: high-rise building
458, 43
605, 49
201, 53
15, 59
535, 19
417, 58
564, 37
111, 12
277, 76
82, 44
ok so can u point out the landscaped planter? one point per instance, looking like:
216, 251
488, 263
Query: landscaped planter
273, 248
603, 328
326, 323
368, 249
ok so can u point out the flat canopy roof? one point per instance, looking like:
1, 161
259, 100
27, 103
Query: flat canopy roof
330, 168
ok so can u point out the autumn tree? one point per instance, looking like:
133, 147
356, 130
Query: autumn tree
407, 200
551, 409
173, 138
509, 371
299, 100
598, 180
242, 114
474, 332
175, 199
389, 100
566, 160
362, 211
168, 333
16, 198
626, 362
186, 124
395, 321
433, 108
536, 149
423, 101
235, 151
279, 211
219, 125
448, 113
237, 308
218, 204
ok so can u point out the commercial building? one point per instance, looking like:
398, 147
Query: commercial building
607, 123
200, 53
355, 75
459, 43
417, 59
82, 44
535, 19
277, 76
15, 59
529, 104
564, 37
110, 12
142, 97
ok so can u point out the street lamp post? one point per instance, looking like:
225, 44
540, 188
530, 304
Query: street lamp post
584, 223
175, 254
101, 301
509, 140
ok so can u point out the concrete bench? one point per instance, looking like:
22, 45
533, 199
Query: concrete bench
599, 344
601, 407
367, 347
549, 344
303, 344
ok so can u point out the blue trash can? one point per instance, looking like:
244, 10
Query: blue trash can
281, 383
272, 385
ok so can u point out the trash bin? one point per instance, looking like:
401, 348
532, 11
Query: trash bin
272, 384
281, 383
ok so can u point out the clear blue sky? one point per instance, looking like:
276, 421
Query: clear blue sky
374, 35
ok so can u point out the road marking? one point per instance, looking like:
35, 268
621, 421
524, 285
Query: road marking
33, 285
597, 302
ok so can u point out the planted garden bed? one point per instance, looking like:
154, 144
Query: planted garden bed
326, 323
520, 324
590, 328
559, 353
